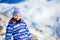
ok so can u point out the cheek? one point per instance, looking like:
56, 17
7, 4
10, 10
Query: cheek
19, 17
15, 17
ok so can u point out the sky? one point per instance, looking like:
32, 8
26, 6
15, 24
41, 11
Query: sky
11, 1
41, 14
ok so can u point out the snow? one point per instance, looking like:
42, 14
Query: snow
39, 14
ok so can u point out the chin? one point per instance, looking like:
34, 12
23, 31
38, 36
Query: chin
18, 19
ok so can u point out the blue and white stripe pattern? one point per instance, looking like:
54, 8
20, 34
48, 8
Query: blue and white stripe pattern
19, 31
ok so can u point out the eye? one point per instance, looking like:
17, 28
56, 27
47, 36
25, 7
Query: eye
15, 15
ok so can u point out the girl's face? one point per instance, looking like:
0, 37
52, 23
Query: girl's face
17, 16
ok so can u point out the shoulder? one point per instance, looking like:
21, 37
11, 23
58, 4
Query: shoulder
10, 23
23, 23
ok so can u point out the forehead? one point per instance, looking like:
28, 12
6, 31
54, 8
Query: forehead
18, 14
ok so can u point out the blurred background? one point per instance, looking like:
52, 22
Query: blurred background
42, 17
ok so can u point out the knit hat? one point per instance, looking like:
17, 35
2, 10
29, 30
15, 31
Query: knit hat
16, 11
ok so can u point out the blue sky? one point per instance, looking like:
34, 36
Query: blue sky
11, 1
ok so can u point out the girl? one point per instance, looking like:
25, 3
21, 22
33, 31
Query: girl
17, 28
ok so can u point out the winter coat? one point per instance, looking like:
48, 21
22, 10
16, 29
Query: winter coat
17, 29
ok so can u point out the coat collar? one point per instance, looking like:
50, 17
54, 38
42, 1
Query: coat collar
12, 20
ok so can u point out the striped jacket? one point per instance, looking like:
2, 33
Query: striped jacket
19, 31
